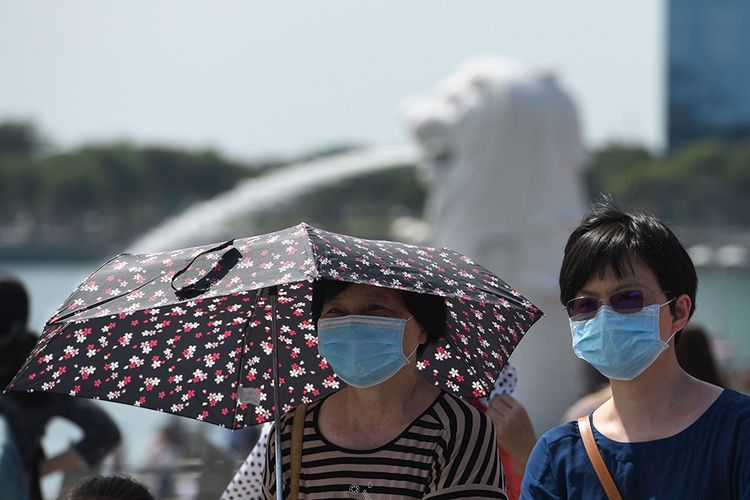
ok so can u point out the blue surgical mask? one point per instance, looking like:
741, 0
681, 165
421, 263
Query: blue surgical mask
620, 346
363, 350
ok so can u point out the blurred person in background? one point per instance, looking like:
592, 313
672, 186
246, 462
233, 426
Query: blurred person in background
12, 474
172, 459
12, 477
28, 414
513, 427
240, 442
165, 453
695, 355
629, 287
109, 488
247, 482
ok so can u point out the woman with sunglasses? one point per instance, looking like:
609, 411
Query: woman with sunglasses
629, 288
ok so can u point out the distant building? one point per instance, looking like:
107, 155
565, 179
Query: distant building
709, 70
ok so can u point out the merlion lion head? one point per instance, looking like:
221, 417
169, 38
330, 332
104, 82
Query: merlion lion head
444, 120
502, 152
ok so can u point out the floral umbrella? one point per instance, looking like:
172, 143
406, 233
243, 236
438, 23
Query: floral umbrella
192, 331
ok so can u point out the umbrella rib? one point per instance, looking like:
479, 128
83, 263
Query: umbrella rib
245, 331
100, 303
309, 250
100, 268
274, 292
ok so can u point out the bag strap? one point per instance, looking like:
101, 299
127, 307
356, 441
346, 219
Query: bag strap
592, 450
298, 429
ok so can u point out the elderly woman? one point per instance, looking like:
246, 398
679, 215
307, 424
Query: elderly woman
387, 434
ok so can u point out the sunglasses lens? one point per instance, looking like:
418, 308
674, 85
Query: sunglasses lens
627, 301
582, 308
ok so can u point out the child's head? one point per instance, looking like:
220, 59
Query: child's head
110, 488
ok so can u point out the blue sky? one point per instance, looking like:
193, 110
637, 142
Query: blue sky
281, 78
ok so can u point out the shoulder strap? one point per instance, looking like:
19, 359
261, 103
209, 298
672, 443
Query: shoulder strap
298, 429
592, 450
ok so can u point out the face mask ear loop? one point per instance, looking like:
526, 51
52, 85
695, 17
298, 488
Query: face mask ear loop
412, 353
671, 337
418, 344
667, 302
675, 332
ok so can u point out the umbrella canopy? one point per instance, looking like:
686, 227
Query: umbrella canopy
192, 331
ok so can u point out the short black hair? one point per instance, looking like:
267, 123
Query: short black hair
14, 349
110, 488
430, 311
611, 238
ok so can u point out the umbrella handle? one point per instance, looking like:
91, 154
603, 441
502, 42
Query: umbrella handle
217, 272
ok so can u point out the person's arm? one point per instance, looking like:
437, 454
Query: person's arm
63, 461
100, 433
515, 432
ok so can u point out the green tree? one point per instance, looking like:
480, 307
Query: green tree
608, 163
20, 138
706, 182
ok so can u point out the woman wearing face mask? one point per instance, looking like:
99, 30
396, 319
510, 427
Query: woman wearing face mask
629, 288
387, 434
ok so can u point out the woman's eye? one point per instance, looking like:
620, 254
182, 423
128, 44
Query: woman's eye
377, 309
334, 311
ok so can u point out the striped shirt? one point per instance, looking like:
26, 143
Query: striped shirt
449, 451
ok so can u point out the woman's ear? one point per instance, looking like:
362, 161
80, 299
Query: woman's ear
681, 315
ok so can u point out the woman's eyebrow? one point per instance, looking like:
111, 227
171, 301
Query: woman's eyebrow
380, 296
630, 283
330, 303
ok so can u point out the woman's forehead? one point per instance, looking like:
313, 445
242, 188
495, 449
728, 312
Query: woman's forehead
632, 272
368, 292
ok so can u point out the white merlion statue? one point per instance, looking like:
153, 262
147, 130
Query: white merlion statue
502, 155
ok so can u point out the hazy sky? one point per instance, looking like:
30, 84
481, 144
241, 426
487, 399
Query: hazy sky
277, 77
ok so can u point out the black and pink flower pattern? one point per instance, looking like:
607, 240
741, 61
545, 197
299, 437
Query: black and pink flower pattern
199, 343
